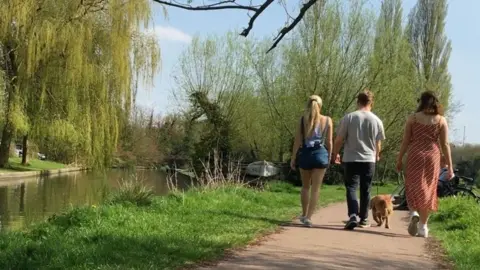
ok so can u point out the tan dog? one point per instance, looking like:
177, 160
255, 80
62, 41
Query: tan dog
382, 209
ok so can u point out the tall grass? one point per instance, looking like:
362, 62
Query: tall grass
214, 175
457, 226
132, 190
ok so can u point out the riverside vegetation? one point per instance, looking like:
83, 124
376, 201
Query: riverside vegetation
135, 230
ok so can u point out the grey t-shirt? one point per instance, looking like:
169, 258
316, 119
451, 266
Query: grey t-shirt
361, 130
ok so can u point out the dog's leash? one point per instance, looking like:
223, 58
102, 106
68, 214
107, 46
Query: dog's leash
402, 176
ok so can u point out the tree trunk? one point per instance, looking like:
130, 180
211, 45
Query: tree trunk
7, 135
24, 150
10, 68
281, 151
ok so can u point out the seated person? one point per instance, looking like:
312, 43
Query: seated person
444, 186
443, 174
444, 171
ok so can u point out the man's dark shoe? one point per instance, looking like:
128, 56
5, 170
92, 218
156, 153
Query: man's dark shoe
364, 223
351, 224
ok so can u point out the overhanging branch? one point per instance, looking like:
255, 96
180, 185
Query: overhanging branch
257, 9
231, 4
247, 30
290, 27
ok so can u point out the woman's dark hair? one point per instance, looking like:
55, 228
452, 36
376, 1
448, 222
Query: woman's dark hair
428, 103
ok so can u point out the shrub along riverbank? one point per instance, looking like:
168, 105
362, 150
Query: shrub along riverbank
169, 232
457, 226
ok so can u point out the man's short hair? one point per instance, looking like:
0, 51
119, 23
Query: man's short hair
365, 98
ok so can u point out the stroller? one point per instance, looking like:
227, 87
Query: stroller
457, 186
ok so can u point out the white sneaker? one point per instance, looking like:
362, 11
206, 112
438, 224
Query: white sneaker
302, 218
307, 222
423, 231
413, 226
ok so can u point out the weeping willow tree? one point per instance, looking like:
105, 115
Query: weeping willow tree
68, 68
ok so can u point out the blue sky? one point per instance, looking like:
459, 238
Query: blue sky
463, 28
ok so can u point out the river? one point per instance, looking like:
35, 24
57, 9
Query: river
30, 200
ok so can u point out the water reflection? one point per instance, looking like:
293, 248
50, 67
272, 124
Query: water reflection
26, 201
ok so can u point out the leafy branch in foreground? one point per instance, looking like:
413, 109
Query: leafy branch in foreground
257, 11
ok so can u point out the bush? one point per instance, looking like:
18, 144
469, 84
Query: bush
132, 191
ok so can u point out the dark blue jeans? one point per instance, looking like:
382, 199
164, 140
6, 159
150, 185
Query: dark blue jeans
358, 173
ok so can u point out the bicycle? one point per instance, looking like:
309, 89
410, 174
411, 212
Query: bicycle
457, 186
460, 186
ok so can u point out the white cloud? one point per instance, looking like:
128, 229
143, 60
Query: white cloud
168, 33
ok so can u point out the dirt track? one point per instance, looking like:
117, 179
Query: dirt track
328, 246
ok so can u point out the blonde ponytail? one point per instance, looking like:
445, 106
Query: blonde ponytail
312, 114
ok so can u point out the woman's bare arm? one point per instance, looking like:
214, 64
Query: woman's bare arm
444, 144
297, 142
329, 141
407, 134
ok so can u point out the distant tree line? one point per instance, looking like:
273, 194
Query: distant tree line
246, 103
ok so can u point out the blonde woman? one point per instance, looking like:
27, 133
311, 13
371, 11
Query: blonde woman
311, 151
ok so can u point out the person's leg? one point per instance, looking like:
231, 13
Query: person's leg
423, 228
424, 214
306, 176
414, 220
367, 171
317, 179
351, 178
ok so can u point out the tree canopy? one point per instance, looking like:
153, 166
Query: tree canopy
68, 70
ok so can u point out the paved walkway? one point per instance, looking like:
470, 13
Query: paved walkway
328, 246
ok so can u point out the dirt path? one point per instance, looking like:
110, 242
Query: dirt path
328, 246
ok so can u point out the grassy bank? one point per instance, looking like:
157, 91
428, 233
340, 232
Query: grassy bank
15, 165
173, 231
457, 226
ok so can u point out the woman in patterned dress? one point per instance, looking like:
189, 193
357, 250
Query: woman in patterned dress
424, 140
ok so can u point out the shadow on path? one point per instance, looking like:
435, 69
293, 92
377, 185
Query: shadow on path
336, 260
238, 215
340, 228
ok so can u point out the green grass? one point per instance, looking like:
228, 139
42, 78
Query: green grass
457, 226
15, 164
173, 231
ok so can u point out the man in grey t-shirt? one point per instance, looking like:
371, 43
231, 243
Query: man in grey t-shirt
361, 133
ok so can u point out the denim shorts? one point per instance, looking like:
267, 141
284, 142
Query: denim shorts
311, 158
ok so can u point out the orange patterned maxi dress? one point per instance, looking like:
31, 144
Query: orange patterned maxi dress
423, 167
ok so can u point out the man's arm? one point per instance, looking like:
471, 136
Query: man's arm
379, 138
378, 149
340, 138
